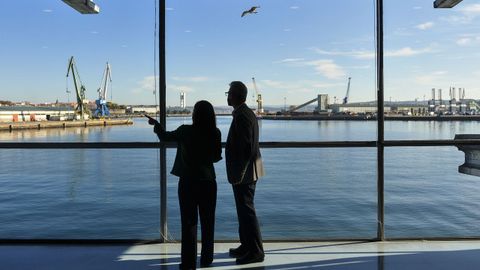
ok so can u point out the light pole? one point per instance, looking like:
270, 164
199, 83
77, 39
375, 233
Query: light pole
445, 3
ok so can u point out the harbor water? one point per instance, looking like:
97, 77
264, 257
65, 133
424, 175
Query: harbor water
306, 194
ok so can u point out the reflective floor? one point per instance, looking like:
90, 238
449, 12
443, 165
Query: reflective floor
410, 255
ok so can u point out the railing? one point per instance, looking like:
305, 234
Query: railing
271, 145
307, 144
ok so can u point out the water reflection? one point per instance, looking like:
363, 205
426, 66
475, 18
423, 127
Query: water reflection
79, 133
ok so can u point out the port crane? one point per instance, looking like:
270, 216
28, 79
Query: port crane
101, 102
259, 98
345, 99
81, 111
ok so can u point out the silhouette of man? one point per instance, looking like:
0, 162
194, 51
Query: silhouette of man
244, 168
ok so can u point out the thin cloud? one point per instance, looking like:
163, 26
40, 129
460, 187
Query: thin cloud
297, 87
425, 26
147, 84
417, 7
468, 39
407, 51
472, 10
47, 10
294, 7
355, 54
180, 88
360, 67
191, 79
402, 31
289, 60
464, 41
456, 19
287, 29
327, 68
289, 86
188, 31
468, 14
430, 79
403, 52
275, 84
169, 9
327, 85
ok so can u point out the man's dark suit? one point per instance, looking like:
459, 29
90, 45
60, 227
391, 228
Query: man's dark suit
244, 168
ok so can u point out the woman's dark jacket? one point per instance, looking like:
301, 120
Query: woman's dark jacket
197, 150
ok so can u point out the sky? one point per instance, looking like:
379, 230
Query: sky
295, 49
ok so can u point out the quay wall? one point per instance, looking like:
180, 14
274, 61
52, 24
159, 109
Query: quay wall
10, 126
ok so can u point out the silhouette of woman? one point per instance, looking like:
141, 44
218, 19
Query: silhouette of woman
199, 146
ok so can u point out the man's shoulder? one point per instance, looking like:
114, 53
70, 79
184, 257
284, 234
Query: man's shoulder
245, 111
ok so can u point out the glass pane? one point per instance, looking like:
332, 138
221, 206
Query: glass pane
426, 196
287, 54
294, 55
79, 194
36, 48
306, 194
431, 66
428, 130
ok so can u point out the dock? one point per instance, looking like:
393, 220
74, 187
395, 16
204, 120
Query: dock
11, 126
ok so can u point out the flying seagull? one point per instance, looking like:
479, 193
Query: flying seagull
250, 11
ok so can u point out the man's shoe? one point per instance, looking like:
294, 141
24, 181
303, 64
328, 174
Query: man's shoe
237, 252
205, 263
251, 258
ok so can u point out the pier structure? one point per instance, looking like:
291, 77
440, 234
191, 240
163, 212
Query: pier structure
30, 117
11, 126
322, 104
433, 107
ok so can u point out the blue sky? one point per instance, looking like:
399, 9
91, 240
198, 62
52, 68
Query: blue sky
295, 49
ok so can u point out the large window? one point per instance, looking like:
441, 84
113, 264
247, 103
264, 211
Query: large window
296, 51
430, 77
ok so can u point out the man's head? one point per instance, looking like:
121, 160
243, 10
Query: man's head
237, 94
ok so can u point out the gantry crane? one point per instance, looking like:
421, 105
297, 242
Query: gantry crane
259, 98
81, 111
345, 99
102, 108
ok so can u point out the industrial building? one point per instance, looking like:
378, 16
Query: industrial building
30, 113
142, 109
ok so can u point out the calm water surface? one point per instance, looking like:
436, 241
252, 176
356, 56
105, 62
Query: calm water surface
307, 193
